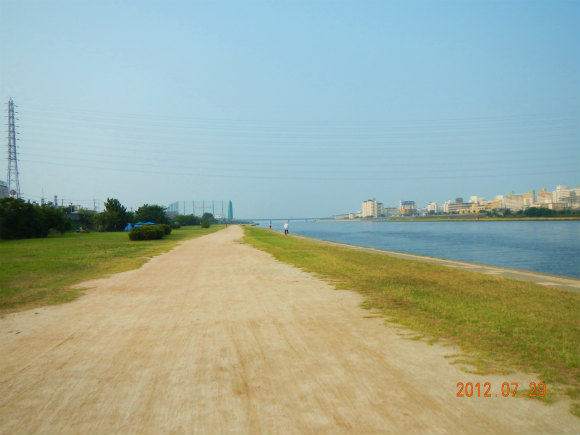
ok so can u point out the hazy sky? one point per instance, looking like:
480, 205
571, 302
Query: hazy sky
291, 108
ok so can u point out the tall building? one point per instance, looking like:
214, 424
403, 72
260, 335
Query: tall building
381, 211
173, 209
230, 211
432, 207
561, 194
407, 207
370, 208
520, 201
458, 206
544, 197
574, 198
563, 197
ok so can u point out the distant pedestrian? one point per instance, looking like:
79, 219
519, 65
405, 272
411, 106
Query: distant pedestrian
270, 226
286, 228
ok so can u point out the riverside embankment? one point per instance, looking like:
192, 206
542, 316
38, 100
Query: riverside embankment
555, 281
549, 247
218, 337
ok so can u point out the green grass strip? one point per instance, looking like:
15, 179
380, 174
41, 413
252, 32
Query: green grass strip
36, 272
510, 324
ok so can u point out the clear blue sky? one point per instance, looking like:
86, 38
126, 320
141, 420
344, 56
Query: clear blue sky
291, 108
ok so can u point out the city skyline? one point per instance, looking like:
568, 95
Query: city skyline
559, 198
291, 108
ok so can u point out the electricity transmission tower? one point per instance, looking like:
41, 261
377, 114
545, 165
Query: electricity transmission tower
13, 182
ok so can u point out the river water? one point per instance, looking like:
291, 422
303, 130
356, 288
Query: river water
541, 246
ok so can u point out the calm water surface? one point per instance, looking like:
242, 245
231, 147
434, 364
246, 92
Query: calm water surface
541, 246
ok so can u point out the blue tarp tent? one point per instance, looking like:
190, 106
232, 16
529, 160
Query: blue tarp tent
139, 224
129, 227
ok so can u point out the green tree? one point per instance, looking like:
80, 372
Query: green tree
207, 219
87, 218
539, 212
107, 221
23, 220
18, 219
152, 213
114, 218
185, 220
54, 218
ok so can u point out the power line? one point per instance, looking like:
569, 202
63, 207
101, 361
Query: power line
338, 175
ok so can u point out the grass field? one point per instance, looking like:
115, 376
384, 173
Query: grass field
502, 324
37, 272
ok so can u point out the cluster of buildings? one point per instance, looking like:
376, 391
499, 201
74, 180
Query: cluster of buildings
563, 198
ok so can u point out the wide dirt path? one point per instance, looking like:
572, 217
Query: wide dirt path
216, 337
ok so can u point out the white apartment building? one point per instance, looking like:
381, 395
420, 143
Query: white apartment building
445, 207
370, 208
432, 207
458, 206
574, 199
520, 201
563, 197
476, 200
561, 194
544, 197
514, 202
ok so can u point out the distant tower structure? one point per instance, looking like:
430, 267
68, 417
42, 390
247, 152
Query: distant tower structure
230, 211
13, 181
173, 209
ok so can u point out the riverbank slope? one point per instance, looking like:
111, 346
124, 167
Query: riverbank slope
556, 281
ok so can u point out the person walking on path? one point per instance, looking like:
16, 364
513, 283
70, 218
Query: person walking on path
286, 228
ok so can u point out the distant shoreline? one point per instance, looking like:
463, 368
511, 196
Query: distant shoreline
458, 219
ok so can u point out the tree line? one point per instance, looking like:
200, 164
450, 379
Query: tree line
535, 212
21, 220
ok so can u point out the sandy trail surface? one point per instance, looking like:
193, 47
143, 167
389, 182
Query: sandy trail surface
216, 337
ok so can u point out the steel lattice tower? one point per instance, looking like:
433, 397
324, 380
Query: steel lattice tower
13, 181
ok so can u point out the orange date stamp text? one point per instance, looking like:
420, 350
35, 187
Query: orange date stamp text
508, 389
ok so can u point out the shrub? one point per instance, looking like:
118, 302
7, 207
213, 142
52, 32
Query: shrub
147, 232
166, 229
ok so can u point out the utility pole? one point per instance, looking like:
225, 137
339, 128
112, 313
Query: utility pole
13, 181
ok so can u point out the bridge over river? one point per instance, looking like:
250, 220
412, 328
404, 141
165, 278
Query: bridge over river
293, 219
